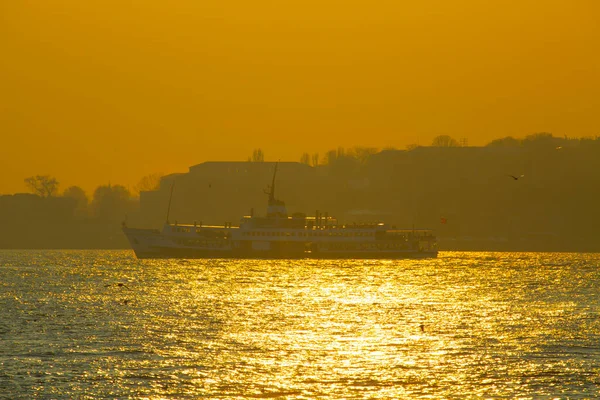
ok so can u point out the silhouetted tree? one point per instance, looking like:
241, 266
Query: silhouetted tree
305, 159
258, 155
589, 142
541, 140
315, 159
508, 141
444, 141
330, 157
362, 154
42, 185
111, 202
76, 193
148, 183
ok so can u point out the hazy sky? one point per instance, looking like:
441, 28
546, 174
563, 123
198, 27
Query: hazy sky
109, 91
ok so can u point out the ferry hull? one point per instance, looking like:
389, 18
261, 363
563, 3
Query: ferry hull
175, 253
374, 255
152, 244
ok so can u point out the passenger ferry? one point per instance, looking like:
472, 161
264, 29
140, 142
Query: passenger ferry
278, 235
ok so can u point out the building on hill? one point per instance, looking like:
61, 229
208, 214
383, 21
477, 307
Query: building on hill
223, 191
470, 187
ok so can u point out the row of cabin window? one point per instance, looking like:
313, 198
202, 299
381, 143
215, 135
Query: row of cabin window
305, 234
201, 243
199, 231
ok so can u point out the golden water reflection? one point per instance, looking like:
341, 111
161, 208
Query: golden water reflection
463, 325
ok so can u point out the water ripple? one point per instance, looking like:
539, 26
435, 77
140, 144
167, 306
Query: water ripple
102, 324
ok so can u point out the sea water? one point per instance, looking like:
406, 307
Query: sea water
102, 324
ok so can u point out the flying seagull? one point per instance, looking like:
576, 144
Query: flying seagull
516, 178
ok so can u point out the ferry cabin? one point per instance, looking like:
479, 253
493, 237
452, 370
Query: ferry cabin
300, 236
200, 236
294, 236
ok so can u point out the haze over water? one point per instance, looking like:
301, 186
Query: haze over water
494, 325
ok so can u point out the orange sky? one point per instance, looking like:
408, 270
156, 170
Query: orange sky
109, 91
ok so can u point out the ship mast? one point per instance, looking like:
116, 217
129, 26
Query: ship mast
272, 191
170, 198
276, 208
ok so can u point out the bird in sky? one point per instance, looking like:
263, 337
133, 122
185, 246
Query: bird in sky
516, 178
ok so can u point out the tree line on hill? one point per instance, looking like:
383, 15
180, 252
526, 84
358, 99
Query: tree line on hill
467, 186
49, 218
536, 192
361, 154
107, 202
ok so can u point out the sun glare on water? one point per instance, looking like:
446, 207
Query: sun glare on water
462, 325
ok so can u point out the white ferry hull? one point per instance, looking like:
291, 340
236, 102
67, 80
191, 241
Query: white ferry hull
152, 244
